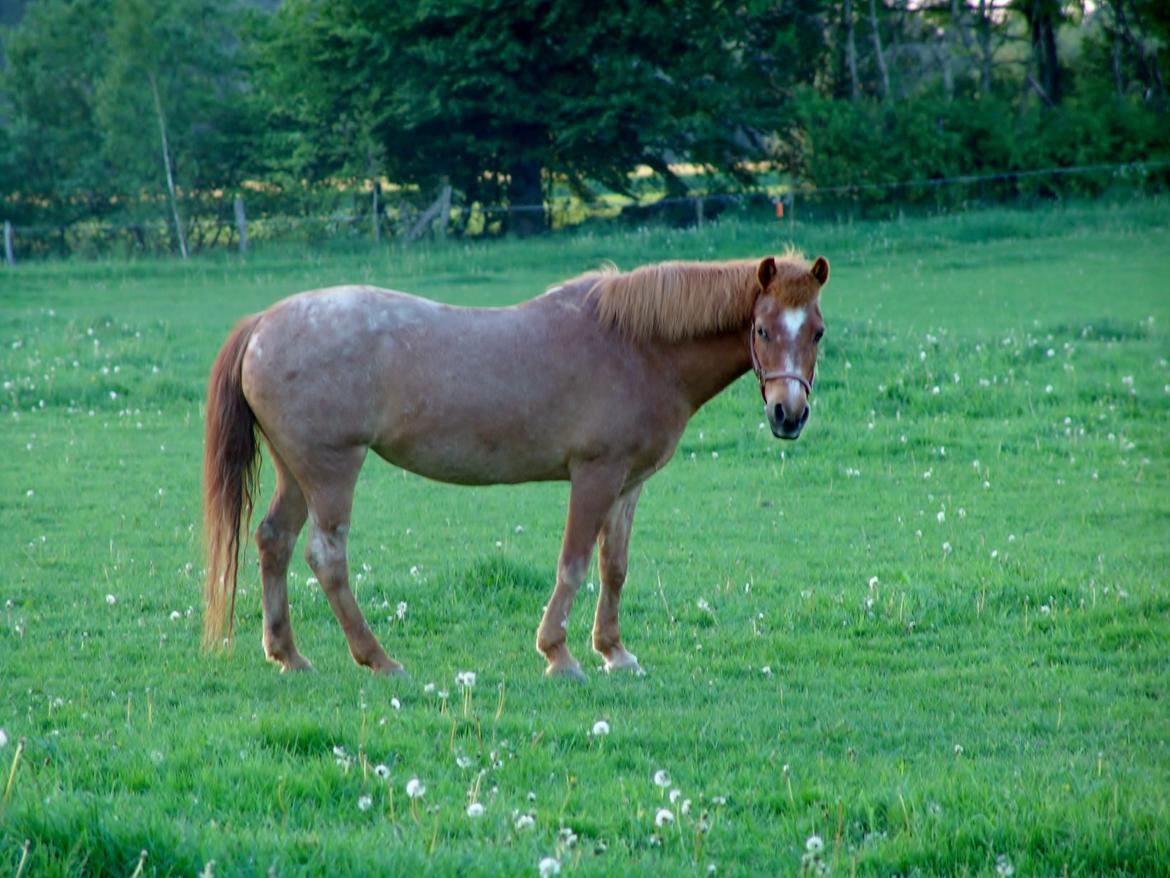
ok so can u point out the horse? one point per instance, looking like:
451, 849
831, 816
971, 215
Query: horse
592, 382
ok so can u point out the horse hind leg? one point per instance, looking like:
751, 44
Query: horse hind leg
275, 537
613, 556
330, 505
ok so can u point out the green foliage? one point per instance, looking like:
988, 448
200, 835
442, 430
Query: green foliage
306, 106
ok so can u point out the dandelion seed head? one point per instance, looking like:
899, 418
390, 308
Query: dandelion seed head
549, 866
814, 844
600, 728
465, 678
475, 809
663, 817
415, 788
661, 778
364, 803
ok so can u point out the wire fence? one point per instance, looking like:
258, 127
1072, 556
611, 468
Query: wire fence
223, 222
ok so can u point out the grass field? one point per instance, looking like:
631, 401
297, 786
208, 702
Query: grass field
935, 632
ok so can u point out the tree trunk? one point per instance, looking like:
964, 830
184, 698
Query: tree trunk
526, 198
1043, 28
166, 154
879, 56
1118, 75
986, 51
850, 50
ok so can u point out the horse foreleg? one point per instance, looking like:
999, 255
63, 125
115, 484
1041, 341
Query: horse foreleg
329, 513
275, 537
595, 486
613, 556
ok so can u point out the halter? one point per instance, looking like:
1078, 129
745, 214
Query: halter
765, 377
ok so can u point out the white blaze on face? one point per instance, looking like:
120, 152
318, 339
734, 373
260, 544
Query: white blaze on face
793, 319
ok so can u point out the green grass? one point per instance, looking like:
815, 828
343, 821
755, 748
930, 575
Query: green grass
999, 695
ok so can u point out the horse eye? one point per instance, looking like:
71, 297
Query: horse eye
761, 332
820, 334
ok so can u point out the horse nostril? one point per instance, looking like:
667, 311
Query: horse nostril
804, 416
779, 413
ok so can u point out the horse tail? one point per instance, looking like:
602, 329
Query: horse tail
230, 469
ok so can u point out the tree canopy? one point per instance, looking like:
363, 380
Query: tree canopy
104, 104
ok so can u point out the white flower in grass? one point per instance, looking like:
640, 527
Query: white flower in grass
524, 821
946, 547
475, 809
414, 571
465, 678
958, 750
1003, 866
111, 600
415, 788
395, 703
814, 844
3, 738
766, 670
176, 615
549, 866
663, 816
567, 837
382, 770
365, 802
873, 582
401, 612
661, 778
600, 728
463, 762
686, 806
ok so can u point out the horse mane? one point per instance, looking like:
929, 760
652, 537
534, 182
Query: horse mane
680, 300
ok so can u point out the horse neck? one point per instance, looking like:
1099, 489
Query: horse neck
708, 364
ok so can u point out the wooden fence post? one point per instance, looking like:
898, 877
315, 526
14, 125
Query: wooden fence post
241, 224
444, 211
441, 209
9, 257
377, 211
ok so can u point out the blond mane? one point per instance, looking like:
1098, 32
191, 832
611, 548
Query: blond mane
680, 300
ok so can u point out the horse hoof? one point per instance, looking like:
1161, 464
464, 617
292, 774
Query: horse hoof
392, 670
566, 672
624, 663
300, 663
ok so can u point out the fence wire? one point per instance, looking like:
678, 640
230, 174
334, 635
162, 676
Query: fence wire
218, 229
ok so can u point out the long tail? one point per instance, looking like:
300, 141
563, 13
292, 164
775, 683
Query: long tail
230, 467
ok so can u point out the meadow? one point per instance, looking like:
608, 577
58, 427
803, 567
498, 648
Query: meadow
932, 637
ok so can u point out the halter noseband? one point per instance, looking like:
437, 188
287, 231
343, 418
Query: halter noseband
765, 377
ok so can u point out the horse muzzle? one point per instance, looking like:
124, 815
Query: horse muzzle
785, 423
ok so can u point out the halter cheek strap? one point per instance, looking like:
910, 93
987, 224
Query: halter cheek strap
765, 377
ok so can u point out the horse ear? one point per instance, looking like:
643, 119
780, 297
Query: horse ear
766, 272
820, 270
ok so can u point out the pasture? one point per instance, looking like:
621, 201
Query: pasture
933, 633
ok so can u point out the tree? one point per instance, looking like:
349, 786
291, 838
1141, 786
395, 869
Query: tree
52, 167
173, 64
502, 99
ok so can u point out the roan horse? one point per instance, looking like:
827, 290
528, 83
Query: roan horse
592, 382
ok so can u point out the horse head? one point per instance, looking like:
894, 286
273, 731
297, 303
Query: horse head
786, 329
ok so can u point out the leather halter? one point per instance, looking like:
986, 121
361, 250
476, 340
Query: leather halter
765, 377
